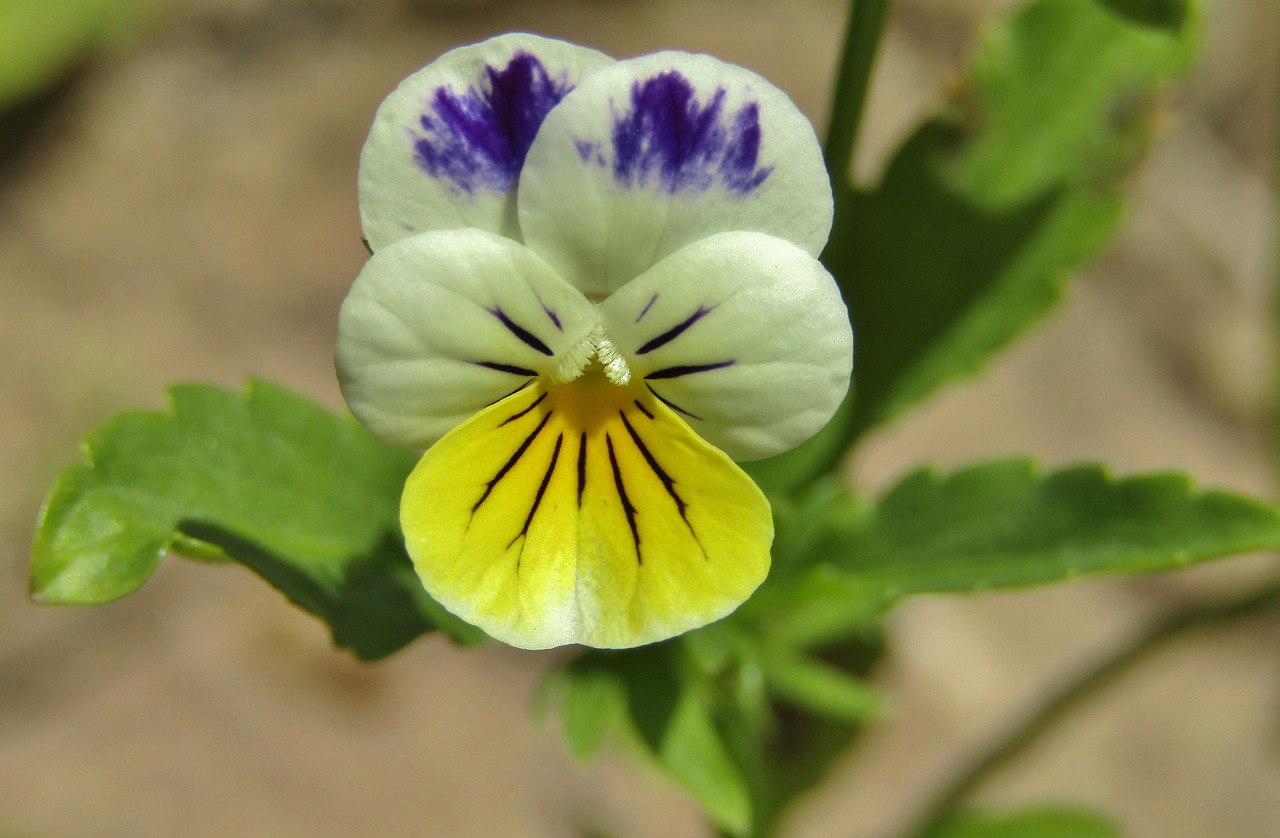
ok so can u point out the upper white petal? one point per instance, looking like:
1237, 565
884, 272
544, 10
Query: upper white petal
745, 335
446, 147
648, 155
443, 324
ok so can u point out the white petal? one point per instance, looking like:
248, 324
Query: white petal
446, 147
744, 335
443, 324
648, 155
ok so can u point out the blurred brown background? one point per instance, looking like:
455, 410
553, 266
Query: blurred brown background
189, 213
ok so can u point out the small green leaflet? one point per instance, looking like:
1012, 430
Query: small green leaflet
305, 499
1030, 822
820, 688
1008, 524
591, 703
980, 217
650, 688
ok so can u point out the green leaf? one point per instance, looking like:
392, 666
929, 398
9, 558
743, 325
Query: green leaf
693, 751
1064, 94
948, 283
980, 217
672, 719
821, 607
1006, 524
305, 499
675, 724
591, 704
821, 689
1030, 822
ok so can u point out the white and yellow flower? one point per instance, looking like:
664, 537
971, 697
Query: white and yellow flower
593, 283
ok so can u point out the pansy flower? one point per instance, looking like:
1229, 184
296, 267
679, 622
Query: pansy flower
593, 287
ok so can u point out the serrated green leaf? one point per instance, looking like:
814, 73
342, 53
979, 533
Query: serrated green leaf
1064, 94
1029, 822
980, 217
1008, 524
959, 284
307, 500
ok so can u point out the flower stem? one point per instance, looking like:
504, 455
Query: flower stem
1078, 689
861, 40
824, 453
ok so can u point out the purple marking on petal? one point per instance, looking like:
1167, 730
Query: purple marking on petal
512, 393
675, 331
685, 145
526, 337
738, 166
550, 312
507, 368
687, 369
478, 139
513, 417
646, 308
677, 408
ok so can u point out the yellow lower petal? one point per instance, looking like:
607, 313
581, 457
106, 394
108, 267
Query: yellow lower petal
584, 513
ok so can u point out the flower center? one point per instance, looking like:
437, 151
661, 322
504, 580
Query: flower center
596, 348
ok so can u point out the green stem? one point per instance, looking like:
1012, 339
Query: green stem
1084, 685
824, 453
861, 40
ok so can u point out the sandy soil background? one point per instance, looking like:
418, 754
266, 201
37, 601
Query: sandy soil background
190, 214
